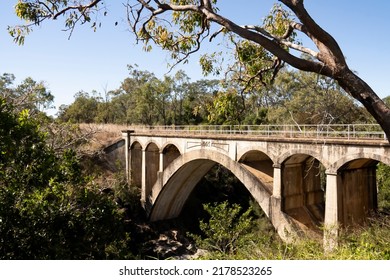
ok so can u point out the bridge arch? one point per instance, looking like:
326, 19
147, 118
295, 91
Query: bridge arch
170, 152
313, 153
181, 176
139, 141
172, 143
152, 143
356, 183
361, 155
242, 152
136, 144
260, 165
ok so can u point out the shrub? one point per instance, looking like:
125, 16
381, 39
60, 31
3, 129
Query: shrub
48, 210
227, 229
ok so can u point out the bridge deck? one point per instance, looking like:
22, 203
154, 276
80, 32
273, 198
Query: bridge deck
364, 141
365, 134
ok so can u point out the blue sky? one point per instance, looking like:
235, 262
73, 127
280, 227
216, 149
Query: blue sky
98, 60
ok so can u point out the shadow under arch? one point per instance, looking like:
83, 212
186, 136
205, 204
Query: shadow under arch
303, 191
171, 152
169, 195
260, 165
135, 163
341, 163
357, 188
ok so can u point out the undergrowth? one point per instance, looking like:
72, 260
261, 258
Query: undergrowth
370, 242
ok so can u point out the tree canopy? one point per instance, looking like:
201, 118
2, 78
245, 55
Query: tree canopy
295, 97
181, 26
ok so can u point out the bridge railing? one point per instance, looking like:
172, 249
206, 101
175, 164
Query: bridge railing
345, 131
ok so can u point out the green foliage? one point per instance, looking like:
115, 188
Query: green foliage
227, 229
294, 97
226, 237
368, 243
254, 58
48, 210
383, 184
226, 108
307, 98
35, 12
278, 22
144, 99
29, 94
209, 63
82, 110
387, 100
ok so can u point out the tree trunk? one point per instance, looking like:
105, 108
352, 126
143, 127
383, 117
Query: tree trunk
362, 92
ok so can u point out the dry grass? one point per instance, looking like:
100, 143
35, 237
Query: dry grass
102, 134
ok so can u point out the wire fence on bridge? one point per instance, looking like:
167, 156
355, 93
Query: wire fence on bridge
320, 131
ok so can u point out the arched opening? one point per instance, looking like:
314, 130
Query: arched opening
303, 191
136, 164
171, 152
260, 165
218, 185
182, 175
357, 184
152, 162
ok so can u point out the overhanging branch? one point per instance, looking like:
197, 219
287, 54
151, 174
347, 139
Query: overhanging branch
80, 8
282, 40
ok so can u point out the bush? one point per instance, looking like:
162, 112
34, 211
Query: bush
226, 230
383, 183
48, 210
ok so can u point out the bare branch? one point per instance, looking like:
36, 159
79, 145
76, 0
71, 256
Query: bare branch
323, 40
199, 40
282, 40
47, 8
269, 44
81, 8
215, 34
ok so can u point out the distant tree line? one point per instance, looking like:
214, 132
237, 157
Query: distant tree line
294, 97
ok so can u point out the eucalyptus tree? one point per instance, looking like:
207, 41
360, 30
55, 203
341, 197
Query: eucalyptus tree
307, 98
181, 26
29, 94
197, 97
83, 110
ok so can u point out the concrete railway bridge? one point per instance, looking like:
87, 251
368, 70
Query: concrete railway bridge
303, 177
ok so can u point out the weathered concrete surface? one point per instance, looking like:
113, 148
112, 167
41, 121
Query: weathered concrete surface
113, 156
299, 184
179, 179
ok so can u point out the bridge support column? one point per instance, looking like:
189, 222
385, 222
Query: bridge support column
161, 165
277, 186
276, 202
332, 210
143, 179
126, 137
